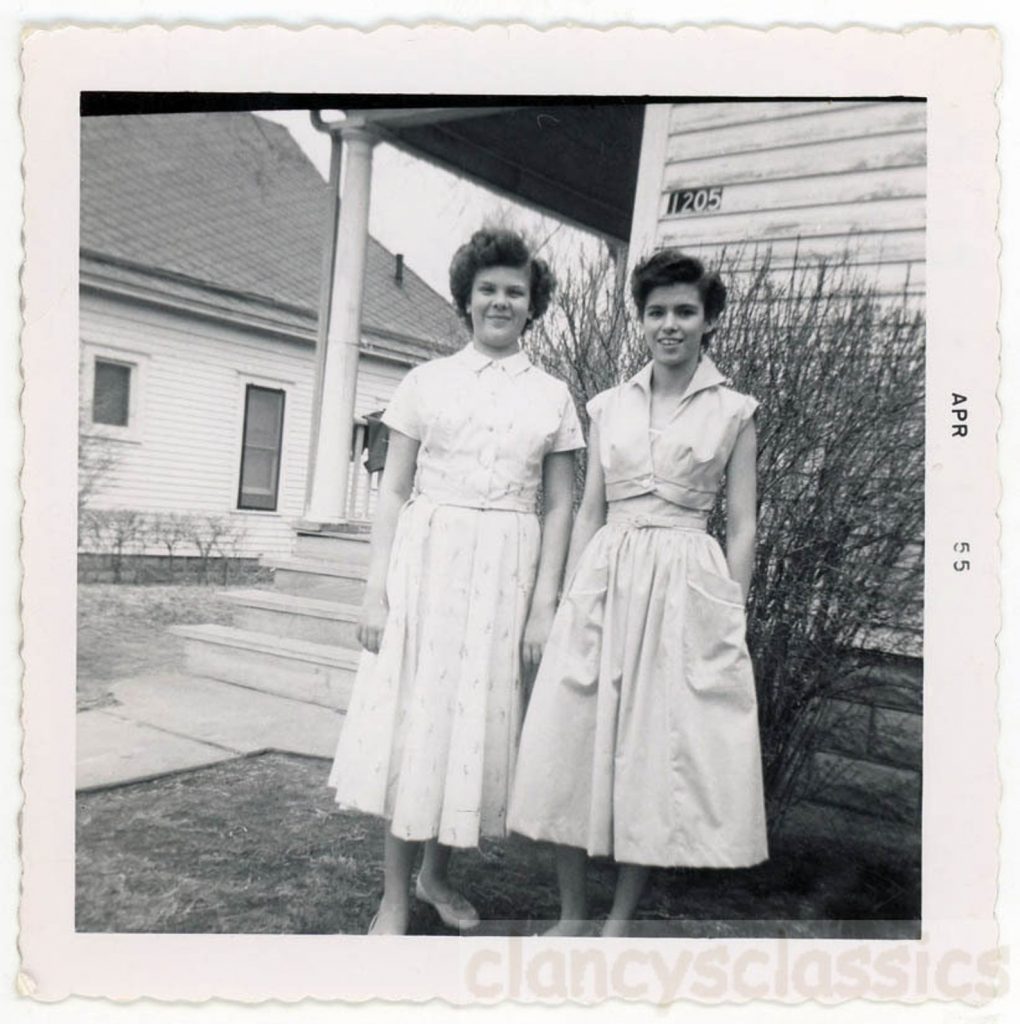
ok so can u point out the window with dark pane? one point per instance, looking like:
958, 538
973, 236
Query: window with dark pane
111, 393
260, 452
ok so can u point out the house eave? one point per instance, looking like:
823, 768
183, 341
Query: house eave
193, 307
390, 346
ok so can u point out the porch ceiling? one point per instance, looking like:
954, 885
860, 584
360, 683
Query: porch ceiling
578, 161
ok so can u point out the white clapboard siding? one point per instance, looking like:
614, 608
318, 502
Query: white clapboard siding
690, 116
805, 180
811, 190
187, 455
906, 247
377, 380
875, 152
889, 279
796, 222
187, 458
838, 121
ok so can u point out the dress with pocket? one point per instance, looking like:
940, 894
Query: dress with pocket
641, 735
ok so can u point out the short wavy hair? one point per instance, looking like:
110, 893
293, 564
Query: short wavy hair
671, 266
499, 247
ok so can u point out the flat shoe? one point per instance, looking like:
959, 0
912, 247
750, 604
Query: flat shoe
374, 922
455, 912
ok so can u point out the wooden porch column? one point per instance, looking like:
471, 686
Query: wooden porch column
331, 464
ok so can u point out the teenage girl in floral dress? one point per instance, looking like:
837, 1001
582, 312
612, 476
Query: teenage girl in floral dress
462, 582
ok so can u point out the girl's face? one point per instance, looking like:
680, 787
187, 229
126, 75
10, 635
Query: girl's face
674, 323
499, 306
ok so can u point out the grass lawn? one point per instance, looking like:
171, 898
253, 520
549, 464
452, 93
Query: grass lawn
257, 845
122, 630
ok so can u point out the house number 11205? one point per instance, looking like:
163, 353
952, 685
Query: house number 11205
695, 200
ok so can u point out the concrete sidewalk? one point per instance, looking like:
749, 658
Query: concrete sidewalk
168, 722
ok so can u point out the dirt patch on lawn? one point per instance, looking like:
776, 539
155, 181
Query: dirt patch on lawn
257, 845
123, 631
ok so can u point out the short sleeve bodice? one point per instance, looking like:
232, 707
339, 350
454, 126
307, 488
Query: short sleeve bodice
684, 462
484, 427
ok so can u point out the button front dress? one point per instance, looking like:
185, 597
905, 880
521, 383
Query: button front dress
641, 736
429, 740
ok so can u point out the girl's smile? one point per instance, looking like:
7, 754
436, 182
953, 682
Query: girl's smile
500, 305
674, 324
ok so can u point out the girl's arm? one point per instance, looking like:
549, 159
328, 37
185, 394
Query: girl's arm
557, 508
591, 516
394, 490
742, 506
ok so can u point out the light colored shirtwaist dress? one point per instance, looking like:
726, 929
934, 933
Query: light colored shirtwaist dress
641, 736
430, 736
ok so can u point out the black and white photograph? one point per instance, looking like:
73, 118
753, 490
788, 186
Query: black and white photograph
283, 466
503, 516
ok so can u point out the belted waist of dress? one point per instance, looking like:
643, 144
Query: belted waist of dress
482, 505
682, 519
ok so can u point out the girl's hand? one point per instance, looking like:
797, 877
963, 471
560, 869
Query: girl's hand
536, 633
374, 613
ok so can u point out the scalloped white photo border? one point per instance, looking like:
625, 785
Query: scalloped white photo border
956, 71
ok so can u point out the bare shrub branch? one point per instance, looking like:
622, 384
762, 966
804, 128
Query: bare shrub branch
113, 532
839, 371
206, 533
230, 546
171, 530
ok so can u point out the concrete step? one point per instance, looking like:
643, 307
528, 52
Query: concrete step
307, 577
344, 527
310, 672
299, 618
347, 548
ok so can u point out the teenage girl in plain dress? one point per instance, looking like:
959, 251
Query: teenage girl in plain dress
641, 739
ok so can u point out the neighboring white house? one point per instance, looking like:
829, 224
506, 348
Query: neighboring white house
202, 247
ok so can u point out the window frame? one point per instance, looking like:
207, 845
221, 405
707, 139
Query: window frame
247, 387
93, 352
118, 365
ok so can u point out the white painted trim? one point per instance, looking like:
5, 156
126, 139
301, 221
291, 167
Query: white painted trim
265, 380
205, 311
266, 329
136, 360
651, 169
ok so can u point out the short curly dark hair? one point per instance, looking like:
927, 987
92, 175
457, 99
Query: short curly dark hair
671, 266
498, 247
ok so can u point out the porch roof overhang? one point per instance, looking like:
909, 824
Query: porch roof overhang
577, 162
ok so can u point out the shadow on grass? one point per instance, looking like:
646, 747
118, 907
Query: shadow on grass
256, 845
